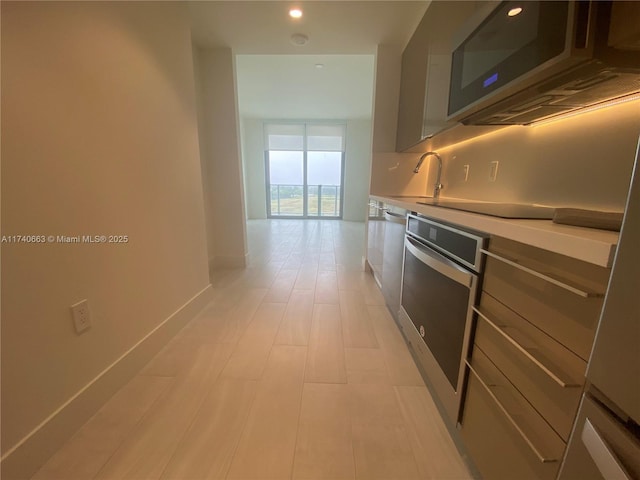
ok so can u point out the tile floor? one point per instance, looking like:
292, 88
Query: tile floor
295, 370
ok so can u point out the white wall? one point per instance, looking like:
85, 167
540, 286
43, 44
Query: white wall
356, 177
583, 161
221, 158
205, 165
254, 167
99, 137
357, 170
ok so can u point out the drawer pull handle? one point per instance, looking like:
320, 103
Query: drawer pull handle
536, 451
580, 291
525, 351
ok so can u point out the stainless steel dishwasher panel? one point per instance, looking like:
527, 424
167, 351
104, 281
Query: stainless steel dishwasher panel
395, 224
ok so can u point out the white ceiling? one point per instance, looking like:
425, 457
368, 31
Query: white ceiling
278, 80
333, 26
291, 87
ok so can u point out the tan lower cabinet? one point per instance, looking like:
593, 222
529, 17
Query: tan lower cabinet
558, 302
506, 437
550, 376
534, 327
495, 441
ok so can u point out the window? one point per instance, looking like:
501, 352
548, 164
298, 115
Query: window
304, 169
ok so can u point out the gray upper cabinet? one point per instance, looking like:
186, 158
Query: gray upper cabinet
426, 69
412, 86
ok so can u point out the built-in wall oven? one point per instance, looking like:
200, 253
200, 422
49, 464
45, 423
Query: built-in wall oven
440, 283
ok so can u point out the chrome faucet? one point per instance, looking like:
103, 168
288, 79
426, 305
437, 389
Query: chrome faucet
438, 186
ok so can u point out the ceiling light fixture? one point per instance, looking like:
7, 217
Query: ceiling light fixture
319, 65
295, 13
299, 39
514, 11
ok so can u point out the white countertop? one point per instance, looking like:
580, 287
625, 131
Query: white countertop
587, 244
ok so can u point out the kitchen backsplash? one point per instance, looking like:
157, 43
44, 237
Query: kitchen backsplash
392, 174
582, 161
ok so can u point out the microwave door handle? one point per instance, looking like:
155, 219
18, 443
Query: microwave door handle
439, 263
601, 454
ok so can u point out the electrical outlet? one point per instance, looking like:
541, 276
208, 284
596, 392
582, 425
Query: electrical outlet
493, 171
465, 169
81, 316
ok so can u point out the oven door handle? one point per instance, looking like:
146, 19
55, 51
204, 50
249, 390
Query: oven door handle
439, 263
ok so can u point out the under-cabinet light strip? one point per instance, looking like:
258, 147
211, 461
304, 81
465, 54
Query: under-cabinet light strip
609, 103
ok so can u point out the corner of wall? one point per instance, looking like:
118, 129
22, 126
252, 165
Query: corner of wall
222, 153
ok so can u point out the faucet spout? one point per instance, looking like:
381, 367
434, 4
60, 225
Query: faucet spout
438, 186
419, 164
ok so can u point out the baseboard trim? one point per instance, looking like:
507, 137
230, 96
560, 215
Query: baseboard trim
228, 261
29, 454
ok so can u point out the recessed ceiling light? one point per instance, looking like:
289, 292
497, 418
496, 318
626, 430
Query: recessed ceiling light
514, 11
319, 65
295, 13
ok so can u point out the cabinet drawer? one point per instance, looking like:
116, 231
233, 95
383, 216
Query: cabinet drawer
505, 436
547, 374
569, 318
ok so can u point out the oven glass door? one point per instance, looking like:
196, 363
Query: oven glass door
437, 294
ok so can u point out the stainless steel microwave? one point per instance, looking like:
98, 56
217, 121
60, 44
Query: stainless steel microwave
531, 60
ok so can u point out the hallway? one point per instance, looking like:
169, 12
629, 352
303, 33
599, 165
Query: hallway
295, 370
